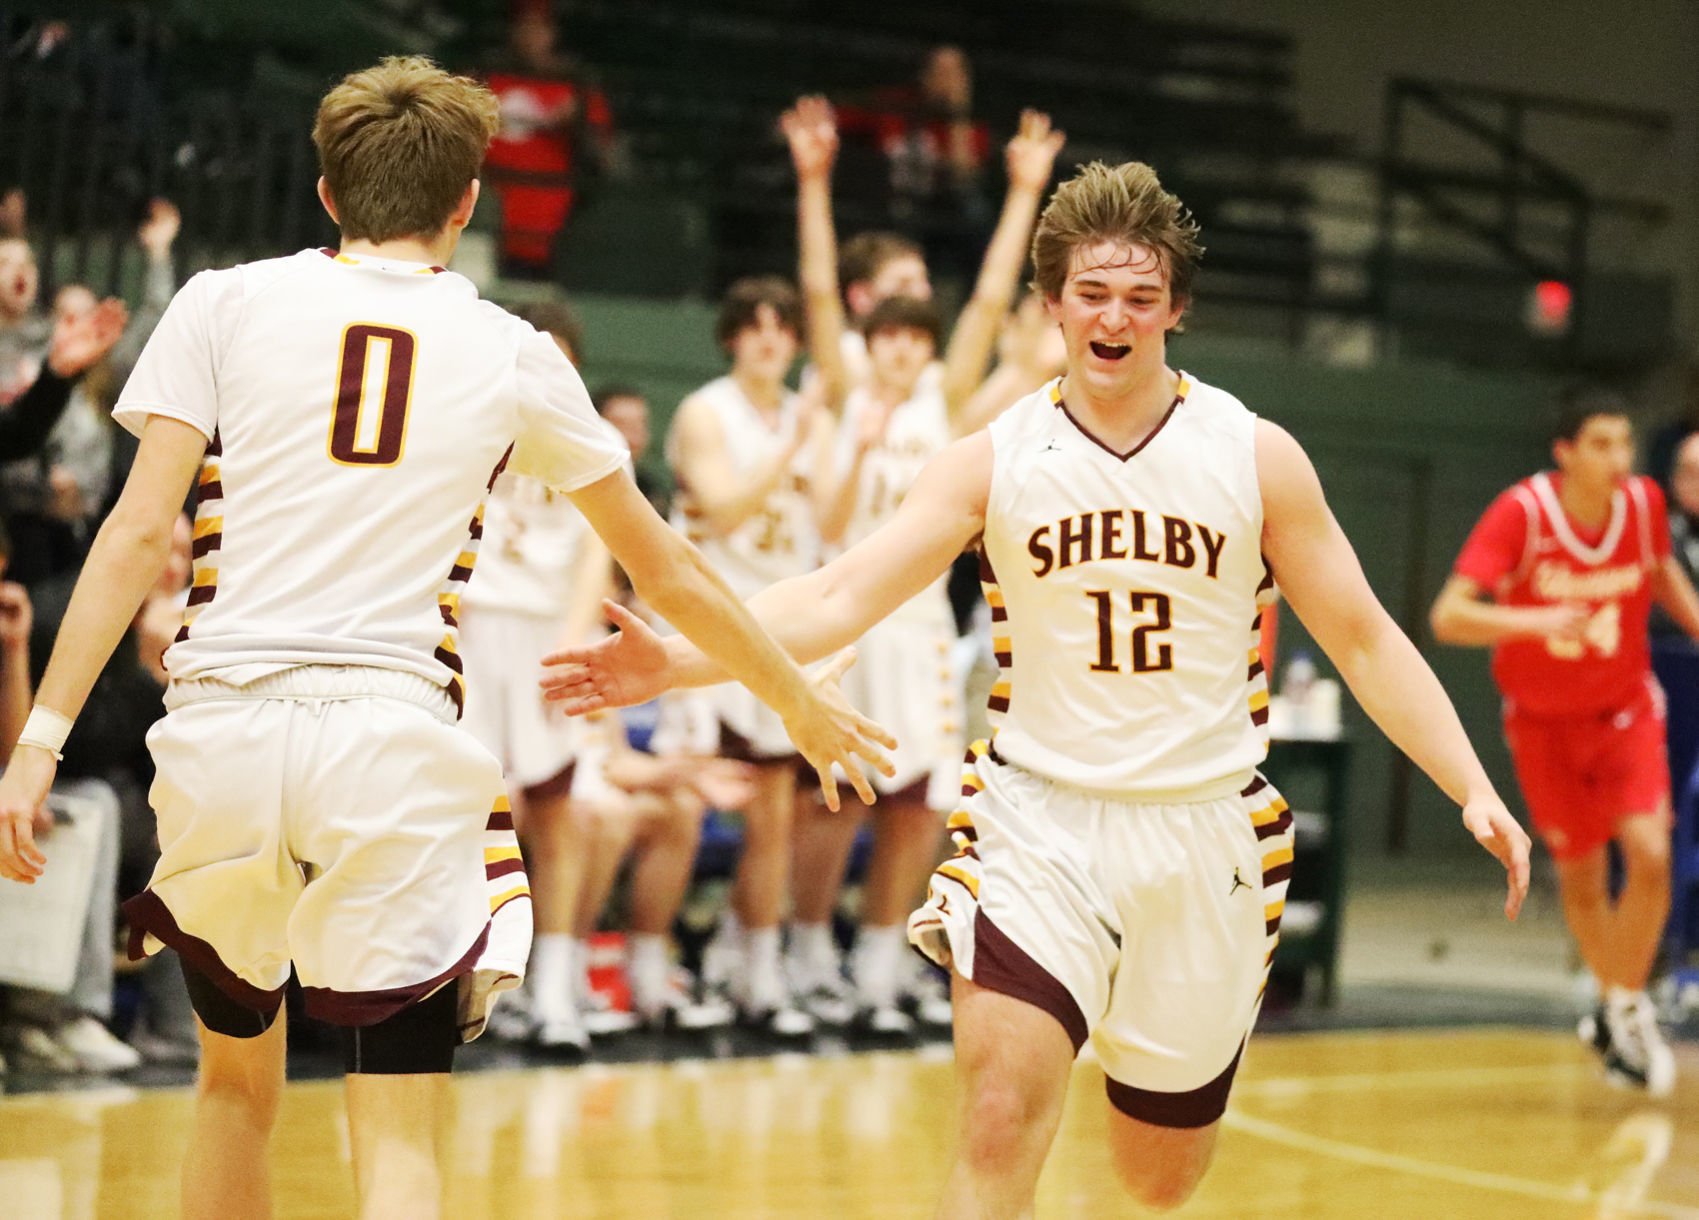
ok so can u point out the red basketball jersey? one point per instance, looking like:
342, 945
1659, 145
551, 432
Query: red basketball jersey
1528, 552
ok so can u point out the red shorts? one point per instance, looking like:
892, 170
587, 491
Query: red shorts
1581, 775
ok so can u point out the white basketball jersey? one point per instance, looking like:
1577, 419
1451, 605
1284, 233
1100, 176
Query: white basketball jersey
357, 412
780, 539
1124, 593
532, 539
917, 431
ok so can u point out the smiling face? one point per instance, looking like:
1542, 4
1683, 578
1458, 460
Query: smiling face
1115, 310
898, 356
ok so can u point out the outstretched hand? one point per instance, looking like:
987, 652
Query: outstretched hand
812, 131
826, 730
1494, 829
630, 666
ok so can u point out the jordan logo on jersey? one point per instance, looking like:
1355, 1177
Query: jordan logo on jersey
1130, 533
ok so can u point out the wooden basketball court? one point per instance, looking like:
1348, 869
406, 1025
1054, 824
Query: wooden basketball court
1481, 1123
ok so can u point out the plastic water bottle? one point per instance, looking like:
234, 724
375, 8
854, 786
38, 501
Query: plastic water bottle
1296, 688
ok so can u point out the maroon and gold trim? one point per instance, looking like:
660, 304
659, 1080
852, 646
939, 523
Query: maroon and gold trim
1184, 388
362, 1008
147, 913
1002, 642
208, 534
1193, 1108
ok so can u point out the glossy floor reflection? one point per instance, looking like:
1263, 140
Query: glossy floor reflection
1499, 1123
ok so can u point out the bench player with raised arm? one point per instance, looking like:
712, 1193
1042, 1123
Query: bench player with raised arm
891, 423
1132, 520
344, 414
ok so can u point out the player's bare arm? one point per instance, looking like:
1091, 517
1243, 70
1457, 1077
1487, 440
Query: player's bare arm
1029, 157
835, 490
1672, 590
813, 136
122, 566
726, 497
1464, 614
671, 575
1318, 573
813, 615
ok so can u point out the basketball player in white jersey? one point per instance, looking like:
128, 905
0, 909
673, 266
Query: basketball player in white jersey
1122, 868
346, 414
739, 448
892, 422
542, 574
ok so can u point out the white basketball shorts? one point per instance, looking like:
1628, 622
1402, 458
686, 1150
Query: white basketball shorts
903, 680
336, 818
1146, 927
505, 710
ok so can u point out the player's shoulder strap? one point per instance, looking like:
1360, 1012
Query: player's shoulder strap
1641, 501
1525, 496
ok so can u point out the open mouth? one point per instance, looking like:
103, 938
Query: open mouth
1110, 351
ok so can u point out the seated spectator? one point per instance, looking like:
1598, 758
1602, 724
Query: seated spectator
936, 155
67, 1032
24, 328
108, 747
556, 131
76, 344
650, 807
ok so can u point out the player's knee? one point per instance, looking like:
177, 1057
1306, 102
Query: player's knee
245, 1072
1004, 1118
1647, 855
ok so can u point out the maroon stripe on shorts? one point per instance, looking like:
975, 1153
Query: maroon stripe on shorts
1277, 874
148, 913
1260, 716
1257, 784
201, 594
1197, 1107
502, 868
500, 819
205, 543
1000, 965
1277, 827
362, 1008
998, 703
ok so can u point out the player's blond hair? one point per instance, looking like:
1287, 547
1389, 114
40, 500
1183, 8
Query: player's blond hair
399, 143
1124, 204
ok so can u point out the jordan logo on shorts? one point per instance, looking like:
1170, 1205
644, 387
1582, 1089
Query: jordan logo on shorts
1239, 883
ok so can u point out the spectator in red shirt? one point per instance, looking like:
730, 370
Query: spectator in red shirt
936, 155
1558, 578
556, 127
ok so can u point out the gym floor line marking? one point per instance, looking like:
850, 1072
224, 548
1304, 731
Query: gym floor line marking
1439, 1171
1297, 1086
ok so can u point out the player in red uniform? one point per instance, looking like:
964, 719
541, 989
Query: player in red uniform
1558, 578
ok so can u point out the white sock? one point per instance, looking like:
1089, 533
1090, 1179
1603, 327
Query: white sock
551, 980
812, 944
581, 991
763, 979
648, 966
1622, 997
875, 962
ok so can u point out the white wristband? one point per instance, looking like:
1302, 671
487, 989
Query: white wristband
46, 729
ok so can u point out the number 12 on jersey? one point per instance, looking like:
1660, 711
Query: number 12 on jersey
355, 439
1146, 656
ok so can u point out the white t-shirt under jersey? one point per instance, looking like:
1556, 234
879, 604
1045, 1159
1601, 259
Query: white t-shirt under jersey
1124, 592
781, 538
357, 410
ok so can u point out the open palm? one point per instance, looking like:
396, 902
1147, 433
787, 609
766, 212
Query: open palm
627, 667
